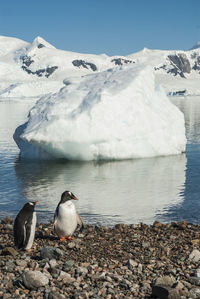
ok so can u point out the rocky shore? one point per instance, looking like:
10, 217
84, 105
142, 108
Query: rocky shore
125, 261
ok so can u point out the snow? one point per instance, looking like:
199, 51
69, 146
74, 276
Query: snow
119, 113
170, 83
18, 79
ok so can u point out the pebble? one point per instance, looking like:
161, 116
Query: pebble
194, 255
125, 261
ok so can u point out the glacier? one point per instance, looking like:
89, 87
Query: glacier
119, 113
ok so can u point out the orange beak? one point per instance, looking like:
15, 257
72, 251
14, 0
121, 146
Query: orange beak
36, 201
75, 198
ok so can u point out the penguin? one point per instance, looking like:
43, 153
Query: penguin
24, 226
66, 219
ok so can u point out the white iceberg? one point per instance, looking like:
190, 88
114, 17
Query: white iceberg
115, 114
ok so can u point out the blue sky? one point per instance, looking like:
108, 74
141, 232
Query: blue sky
104, 26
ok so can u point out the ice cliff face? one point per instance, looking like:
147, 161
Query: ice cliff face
119, 113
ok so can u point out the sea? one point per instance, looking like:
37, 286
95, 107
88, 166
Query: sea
162, 189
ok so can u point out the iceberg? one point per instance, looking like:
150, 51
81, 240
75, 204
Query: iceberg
115, 114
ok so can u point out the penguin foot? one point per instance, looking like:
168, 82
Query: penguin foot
62, 239
70, 238
29, 250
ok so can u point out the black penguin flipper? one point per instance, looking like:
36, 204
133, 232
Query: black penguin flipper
55, 216
19, 233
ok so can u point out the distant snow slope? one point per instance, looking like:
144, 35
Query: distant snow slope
119, 113
38, 68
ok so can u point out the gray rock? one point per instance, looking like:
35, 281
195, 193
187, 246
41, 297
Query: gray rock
197, 273
180, 63
145, 244
195, 293
21, 263
165, 280
9, 226
81, 63
34, 279
56, 295
165, 292
52, 263
82, 270
65, 277
194, 280
68, 265
132, 264
71, 245
194, 255
51, 253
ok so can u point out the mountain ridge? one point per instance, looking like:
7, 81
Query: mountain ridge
38, 68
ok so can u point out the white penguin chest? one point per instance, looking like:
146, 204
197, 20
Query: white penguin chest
32, 234
67, 219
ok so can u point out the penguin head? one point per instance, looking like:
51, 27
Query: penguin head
30, 206
67, 195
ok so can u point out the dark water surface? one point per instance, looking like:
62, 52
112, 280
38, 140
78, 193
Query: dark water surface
144, 190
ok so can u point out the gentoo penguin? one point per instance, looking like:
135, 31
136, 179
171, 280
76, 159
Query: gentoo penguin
66, 218
24, 226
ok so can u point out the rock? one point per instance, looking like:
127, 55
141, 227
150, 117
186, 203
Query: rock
180, 64
56, 295
146, 244
68, 265
9, 251
195, 293
9, 226
179, 285
65, 277
34, 279
165, 292
7, 220
197, 273
71, 245
194, 280
52, 263
21, 263
157, 224
194, 255
195, 242
132, 264
165, 280
51, 253
82, 270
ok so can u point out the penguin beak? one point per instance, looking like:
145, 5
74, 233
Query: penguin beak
75, 198
36, 202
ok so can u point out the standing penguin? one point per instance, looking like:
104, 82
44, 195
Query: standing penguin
24, 226
66, 218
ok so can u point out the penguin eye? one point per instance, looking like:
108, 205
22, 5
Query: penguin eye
70, 193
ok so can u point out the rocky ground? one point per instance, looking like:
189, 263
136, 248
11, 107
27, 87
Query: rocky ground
125, 261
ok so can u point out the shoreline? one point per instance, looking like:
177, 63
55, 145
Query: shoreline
124, 261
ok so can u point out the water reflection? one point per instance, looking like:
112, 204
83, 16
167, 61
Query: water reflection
128, 191
189, 208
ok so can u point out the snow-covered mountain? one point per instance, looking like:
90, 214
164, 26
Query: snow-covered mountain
38, 68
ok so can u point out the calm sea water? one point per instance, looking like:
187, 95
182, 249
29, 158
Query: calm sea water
144, 190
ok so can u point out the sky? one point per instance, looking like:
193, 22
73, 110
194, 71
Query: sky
113, 27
